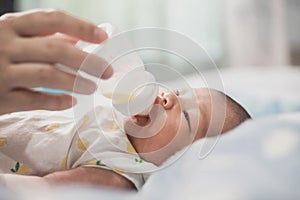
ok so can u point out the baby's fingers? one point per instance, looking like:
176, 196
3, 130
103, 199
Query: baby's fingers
25, 99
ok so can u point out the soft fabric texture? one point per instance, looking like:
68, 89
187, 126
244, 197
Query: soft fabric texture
42, 142
257, 160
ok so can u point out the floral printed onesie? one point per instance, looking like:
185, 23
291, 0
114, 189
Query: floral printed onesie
42, 142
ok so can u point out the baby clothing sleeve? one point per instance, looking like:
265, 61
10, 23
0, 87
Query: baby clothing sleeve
103, 144
35, 142
43, 142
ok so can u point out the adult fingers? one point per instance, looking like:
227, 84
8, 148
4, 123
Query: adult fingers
64, 38
24, 99
32, 75
47, 22
51, 50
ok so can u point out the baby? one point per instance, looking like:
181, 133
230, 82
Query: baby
51, 147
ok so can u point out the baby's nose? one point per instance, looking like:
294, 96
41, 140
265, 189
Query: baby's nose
164, 100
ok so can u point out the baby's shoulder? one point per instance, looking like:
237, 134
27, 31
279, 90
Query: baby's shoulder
100, 116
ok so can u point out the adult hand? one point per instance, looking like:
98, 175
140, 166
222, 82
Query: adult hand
30, 48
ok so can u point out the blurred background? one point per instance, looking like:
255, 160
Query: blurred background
256, 46
235, 33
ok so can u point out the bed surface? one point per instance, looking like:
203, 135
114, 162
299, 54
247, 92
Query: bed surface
257, 160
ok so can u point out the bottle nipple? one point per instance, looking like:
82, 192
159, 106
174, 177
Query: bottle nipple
135, 93
146, 112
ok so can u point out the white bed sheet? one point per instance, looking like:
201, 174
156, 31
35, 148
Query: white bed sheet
258, 160
262, 91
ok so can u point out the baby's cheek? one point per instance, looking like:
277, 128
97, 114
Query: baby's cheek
182, 137
132, 129
127, 123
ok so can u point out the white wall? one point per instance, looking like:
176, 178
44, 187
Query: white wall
234, 32
257, 33
198, 19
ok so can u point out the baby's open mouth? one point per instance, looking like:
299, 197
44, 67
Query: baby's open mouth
141, 120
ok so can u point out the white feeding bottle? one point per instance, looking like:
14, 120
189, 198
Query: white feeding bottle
132, 89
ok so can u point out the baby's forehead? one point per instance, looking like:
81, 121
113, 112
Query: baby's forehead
188, 93
188, 96
208, 93
200, 98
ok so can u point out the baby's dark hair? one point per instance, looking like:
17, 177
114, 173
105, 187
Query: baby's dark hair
235, 114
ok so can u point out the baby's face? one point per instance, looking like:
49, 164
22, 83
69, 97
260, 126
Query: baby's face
176, 120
